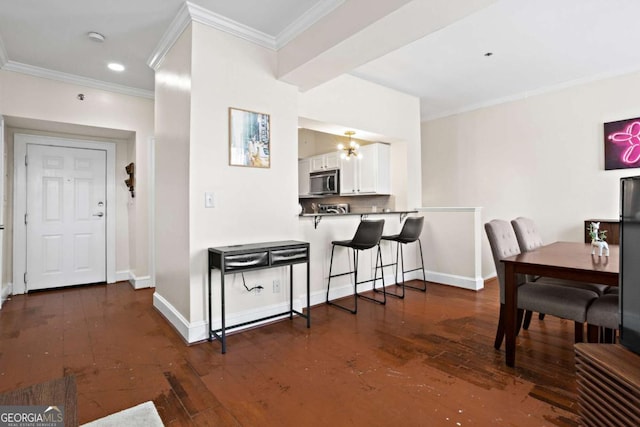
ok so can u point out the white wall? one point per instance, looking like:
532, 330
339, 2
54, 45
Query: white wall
172, 139
47, 101
251, 204
540, 157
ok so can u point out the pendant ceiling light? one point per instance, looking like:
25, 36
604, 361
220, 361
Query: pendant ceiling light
351, 149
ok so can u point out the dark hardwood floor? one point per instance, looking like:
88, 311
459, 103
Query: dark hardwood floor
427, 360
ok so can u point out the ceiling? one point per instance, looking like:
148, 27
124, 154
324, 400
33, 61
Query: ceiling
536, 46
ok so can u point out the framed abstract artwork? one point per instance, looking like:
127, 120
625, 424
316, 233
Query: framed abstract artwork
622, 144
249, 139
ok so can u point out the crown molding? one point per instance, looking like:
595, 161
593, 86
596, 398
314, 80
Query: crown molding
524, 95
74, 79
177, 26
192, 12
310, 17
222, 23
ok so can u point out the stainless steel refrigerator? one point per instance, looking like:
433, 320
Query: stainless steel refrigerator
630, 263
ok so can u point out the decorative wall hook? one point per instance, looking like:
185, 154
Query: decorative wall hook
130, 168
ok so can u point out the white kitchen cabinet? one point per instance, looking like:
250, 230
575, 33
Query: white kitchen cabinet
369, 175
325, 161
304, 167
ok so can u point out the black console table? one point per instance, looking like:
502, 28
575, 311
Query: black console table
256, 256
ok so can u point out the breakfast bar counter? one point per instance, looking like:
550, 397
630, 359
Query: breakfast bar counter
317, 216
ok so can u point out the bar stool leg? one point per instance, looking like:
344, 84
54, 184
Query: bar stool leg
333, 248
355, 285
391, 294
375, 278
424, 275
356, 258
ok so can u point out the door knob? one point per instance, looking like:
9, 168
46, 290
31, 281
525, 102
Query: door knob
99, 214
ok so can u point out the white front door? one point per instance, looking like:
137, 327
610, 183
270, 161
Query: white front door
66, 216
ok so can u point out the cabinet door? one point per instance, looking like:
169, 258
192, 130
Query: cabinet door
348, 176
383, 173
304, 167
317, 163
332, 160
368, 170
374, 169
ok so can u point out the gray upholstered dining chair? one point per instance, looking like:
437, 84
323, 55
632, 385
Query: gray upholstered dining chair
529, 239
603, 319
561, 301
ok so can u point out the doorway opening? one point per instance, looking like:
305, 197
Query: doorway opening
64, 212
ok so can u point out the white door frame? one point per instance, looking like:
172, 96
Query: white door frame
20, 201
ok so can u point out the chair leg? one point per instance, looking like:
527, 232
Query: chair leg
424, 275
355, 284
540, 316
333, 248
500, 332
519, 320
375, 278
579, 332
608, 336
391, 294
593, 332
527, 319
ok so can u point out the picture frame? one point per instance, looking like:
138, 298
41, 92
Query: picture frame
622, 144
249, 138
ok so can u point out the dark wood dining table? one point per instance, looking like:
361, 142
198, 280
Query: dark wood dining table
563, 260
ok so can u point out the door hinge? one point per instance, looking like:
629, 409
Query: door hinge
25, 218
25, 278
26, 160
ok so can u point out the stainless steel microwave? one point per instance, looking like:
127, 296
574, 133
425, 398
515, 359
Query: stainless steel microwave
325, 182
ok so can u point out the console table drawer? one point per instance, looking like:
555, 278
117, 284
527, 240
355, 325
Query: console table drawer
246, 261
287, 256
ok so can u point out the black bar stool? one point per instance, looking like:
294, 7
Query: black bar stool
410, 233
367, 236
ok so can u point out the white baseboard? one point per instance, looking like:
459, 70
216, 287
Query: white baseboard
319, 297
345, 290
475, 284
197, 331
140, 282
122, 276
190, 332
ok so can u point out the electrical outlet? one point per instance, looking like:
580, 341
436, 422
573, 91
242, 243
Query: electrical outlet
276, 286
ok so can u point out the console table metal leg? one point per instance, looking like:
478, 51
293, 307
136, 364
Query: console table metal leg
223, 332
209, 306
291, 291
308, 295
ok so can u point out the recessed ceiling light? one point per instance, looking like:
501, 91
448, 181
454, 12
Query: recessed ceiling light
115, 66
96, 37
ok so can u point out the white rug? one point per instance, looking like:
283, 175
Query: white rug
144, 415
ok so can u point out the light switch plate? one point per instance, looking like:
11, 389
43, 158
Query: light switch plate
209, 201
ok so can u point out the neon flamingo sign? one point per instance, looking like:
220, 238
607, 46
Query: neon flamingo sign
622, 144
